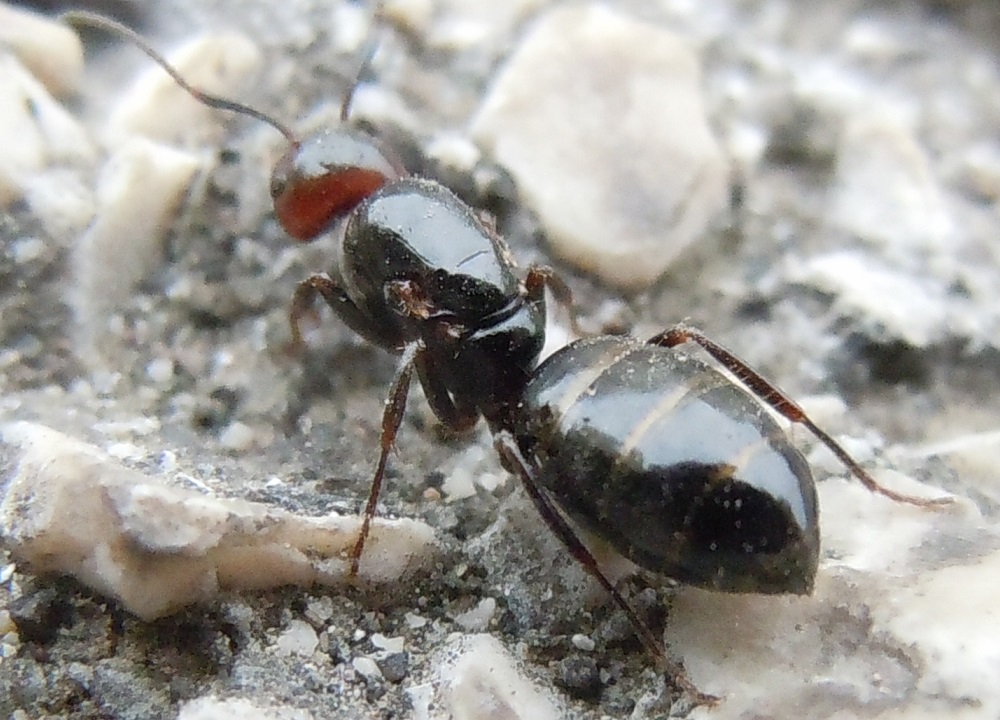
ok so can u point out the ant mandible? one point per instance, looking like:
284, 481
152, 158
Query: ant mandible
651, 448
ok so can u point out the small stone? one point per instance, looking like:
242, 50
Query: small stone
6, 623
478, 618
50, 50
69, 508
889, 303
583, 642
579, 676
160, 370
476, 673
35, 131
215, 708
885, 191
367, 667
389, 644
138, 191
39, 615
237, 437
601, 121
297, 639
156, 107
318, 611
394, 666
415, 621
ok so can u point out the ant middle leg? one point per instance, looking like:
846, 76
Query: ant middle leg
514, 461
540, 277
771, 394
456, 414
392, 416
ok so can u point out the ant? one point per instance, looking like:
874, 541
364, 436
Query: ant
657, 451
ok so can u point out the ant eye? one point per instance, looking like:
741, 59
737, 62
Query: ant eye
323, 179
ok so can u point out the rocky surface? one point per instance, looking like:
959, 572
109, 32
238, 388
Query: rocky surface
144, 373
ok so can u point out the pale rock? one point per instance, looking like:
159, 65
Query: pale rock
62, 199
601, 121
897, 627
216, 708
421, 696
892, 304
367, 667
138, 191
454, 150
50, 50
478, 679
319, 611
297, 639
972, 454
414, 15
68, 508
36, 132
884, 191
155, 106
977, 170
415, 621
478, 618
238, 437
388, 644
460, 25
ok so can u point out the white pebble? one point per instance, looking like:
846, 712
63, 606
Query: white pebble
298, 639
389, 644
50, 50
160, 370
138, 190
156, 107
478, 618
600, 119
237, 437
367, 667
414, 621
35, 131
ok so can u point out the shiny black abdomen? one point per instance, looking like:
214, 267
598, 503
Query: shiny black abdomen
683, 471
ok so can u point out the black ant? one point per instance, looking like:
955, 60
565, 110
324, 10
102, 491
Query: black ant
651, 448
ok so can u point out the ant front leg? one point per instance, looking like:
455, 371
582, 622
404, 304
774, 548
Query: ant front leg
514, 461
392, 416
342, 305
771, 394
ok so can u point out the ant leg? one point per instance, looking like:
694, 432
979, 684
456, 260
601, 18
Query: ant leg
458, 417
514, 461
784, 405
342, 306
392, 416
540, 277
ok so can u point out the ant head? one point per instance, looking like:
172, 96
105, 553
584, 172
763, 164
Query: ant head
324, 177
320, 179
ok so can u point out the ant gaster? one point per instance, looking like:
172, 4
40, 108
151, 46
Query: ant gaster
649, 447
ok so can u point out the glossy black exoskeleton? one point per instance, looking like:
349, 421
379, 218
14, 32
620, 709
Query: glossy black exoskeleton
659, 453
649, 446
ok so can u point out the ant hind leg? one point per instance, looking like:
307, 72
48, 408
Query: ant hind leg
514, 461
771, 394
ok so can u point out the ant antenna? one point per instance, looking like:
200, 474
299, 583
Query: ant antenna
370, 48
91, 19
368, 53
